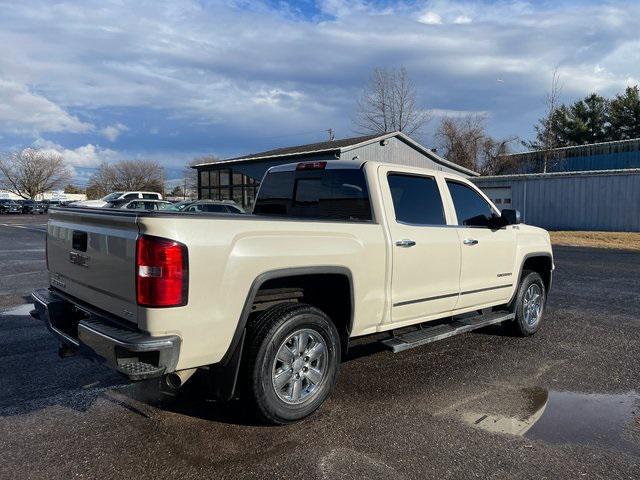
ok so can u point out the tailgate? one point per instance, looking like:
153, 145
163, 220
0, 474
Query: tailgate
92, 256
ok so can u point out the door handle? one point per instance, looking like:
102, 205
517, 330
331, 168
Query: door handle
406, 243
470, 241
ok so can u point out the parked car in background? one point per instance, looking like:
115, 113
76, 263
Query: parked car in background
179, 206
9, 206
31, 207
141, 204
118, 196
215, 206
51, 203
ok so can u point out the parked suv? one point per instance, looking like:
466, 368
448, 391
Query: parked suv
141, 204
216, 206
9, 206
117, 197
31, 206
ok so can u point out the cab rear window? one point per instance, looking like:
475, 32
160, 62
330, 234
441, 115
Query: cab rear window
339, 194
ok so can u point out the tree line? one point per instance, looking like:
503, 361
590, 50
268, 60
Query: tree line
30, 172
592, 119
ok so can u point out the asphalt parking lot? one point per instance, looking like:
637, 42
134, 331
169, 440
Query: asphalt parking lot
562, 404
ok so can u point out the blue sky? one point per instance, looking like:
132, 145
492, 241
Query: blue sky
111, 79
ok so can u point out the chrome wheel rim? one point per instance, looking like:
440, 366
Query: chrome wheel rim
300, 366
532, 304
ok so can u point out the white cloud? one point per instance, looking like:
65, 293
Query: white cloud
84, 156
443, 112
22, 110
430, 18
112, 132
462, 20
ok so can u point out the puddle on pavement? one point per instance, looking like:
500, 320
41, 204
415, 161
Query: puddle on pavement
605, 420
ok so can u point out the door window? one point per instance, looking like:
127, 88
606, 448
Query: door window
416, 199
472, 209
130, 195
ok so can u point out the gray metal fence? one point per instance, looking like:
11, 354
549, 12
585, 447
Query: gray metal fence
595, 200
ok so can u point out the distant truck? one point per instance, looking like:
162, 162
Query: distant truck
117, 197
266, 304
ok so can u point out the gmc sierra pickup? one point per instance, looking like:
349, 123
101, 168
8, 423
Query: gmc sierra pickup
265, 304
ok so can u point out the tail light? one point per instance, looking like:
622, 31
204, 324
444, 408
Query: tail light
162, 272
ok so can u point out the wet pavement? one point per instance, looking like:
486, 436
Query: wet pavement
609, 421
565, 401
606, 420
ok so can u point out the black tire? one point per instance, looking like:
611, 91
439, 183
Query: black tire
520, 326
265, 335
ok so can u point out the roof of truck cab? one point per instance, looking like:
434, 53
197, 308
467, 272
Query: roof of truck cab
354, 164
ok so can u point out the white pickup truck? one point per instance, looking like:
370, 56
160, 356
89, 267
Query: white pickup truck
266, 304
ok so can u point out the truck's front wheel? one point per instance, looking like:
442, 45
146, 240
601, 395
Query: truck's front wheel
292, 362
529, 304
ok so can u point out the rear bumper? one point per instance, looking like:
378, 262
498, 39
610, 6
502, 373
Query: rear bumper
131, 352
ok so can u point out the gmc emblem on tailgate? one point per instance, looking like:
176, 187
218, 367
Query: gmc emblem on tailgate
79, 259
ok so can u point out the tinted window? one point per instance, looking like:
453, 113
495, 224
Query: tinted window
212, 207
471, 209
321, 194
206, 207
153, 196
416, 200
112, 196
131, 195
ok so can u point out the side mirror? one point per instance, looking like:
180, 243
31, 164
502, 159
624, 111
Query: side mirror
510, 216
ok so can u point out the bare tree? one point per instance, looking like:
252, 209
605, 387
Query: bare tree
465, 141
388, 104
31, 172
547, 129
552, 101
145, 175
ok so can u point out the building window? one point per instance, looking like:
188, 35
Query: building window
226, 184
224, 178
204, 178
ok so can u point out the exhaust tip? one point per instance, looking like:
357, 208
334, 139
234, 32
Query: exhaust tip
173, 381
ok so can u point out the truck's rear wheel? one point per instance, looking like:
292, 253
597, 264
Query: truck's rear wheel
529, 304
292, 362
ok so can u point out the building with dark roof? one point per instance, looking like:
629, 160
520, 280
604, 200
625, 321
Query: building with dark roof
238, 178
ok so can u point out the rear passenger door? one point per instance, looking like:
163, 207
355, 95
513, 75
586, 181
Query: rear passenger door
425, 251
488, 254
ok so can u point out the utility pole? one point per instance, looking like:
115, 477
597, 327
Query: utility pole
331, 135
184, 190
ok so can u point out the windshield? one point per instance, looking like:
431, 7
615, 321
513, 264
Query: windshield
111, 197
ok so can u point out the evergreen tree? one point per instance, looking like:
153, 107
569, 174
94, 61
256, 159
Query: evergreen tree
624, 115
588, 121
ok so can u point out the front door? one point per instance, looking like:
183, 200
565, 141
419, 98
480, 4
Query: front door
425, 252
488, 255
